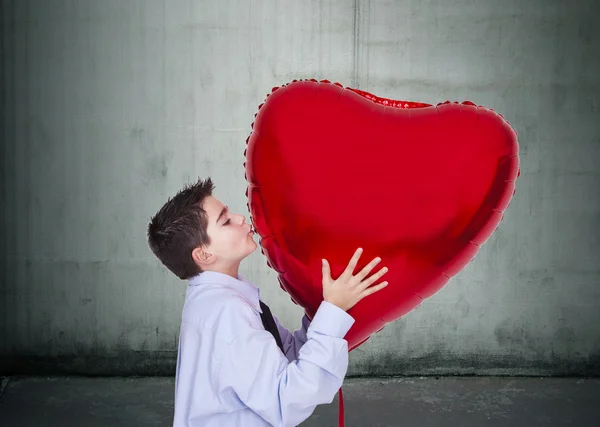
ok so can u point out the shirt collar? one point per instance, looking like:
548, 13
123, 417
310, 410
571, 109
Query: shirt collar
241, 285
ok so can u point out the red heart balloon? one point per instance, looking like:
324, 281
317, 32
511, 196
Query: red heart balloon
331, 169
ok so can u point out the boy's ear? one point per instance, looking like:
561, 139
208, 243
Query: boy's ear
202, 256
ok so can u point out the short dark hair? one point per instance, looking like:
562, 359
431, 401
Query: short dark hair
179, 227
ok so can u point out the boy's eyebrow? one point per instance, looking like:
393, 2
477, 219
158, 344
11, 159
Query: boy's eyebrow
223, 211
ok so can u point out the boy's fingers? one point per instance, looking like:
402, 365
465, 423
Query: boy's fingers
374, 277
365, 271
374, 289
352, 264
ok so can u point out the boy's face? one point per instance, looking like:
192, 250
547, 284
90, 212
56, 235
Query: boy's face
230, 236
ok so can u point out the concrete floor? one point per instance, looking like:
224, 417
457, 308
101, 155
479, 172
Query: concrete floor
456, 402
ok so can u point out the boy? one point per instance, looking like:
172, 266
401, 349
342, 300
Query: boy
230, 371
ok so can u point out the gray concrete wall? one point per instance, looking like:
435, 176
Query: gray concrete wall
109, 107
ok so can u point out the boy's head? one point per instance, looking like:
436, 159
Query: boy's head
194, 232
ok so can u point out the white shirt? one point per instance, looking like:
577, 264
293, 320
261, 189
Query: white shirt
230, 371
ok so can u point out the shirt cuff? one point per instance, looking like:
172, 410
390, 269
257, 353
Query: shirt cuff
331, 320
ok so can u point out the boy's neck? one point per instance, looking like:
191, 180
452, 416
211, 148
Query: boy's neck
231, 270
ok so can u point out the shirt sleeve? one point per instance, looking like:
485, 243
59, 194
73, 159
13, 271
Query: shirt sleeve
283, 393
293, 341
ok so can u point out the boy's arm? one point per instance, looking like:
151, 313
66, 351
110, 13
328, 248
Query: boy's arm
254, 371
293, 341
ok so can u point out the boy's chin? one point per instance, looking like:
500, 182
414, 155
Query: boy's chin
251, 248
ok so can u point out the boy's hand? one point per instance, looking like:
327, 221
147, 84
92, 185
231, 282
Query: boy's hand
347, 290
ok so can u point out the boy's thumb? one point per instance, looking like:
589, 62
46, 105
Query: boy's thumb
325, 268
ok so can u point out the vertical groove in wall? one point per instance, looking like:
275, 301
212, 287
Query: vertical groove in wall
3, 164
320, 58
6, 165
22, 141
360, 47
365, 25
356, 35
